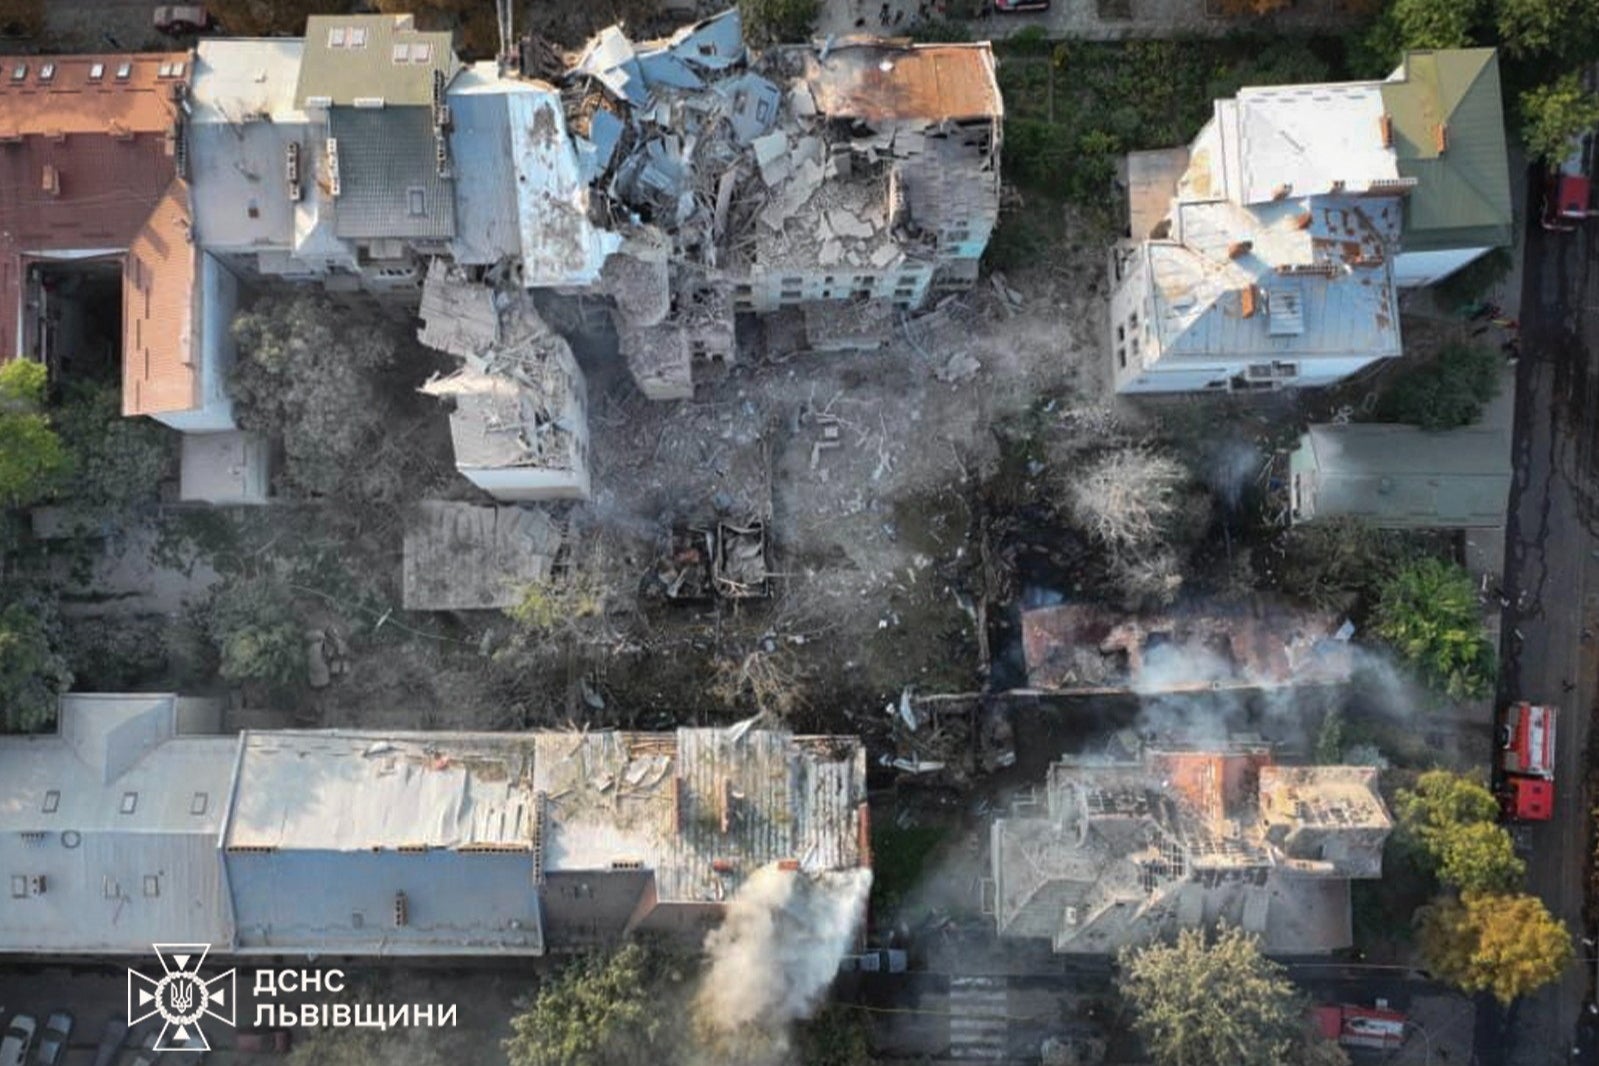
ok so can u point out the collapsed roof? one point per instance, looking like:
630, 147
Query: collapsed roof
1133, 850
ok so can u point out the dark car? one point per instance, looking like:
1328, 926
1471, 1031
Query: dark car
111, 1038
53, 1039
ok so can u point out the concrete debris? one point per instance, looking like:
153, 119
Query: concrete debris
780, 179
960, 367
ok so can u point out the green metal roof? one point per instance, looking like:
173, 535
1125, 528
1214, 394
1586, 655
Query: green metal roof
1463, 194
371, 57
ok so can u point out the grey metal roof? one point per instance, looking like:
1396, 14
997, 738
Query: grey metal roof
389, 175
486, 226
113, 882
351, 57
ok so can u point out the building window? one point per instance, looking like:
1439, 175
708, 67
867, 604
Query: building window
52, 801
1132, 321
198, 804
96, 71
421, 53
47, 72
357, 36
1121, 333
402, 52
1121, 358
336, 37
130, 801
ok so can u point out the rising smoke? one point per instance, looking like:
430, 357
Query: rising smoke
772, 959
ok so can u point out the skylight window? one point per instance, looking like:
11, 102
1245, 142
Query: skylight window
47, 72
336, 37
130, 801
19, 72
124, 71
401, 52
357, 36
421, 53
197, 805
52, 801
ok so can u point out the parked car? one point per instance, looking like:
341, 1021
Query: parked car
275, 1040
18, 1039
53, 1041
178, 20
144, 1052
1017, 7
111, 1037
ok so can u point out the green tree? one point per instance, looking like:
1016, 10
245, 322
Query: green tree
33, 461
118, 463
1218, 1004
1428, 613
603, 1009
1553, 115
1425, 24
1509, 945
778, 21
1533, 27
32, 673
307, 373
1445, 393
257, 632
1451, 820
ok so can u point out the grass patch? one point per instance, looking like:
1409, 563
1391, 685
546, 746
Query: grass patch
899, 857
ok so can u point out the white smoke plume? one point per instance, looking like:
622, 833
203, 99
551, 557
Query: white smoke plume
773, 958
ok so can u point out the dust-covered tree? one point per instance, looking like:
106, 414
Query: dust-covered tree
1126, 497
1554, 115
603, 1009
257, 632
32, 672
33, 461
1445, 393
1428, 612
1220, 1003
765, 680
1509, 945
306, 372
1451, 821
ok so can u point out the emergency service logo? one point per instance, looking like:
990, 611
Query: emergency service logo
182, 996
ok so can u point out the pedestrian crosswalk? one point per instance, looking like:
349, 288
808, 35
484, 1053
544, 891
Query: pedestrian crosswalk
977, 1013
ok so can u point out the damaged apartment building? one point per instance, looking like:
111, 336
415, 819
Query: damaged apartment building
847, 182
1122, 852
1272, 251
137, 821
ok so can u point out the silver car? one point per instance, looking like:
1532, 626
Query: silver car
18, 1039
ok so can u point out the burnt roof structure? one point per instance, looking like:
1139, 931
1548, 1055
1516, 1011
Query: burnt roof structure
1126, 852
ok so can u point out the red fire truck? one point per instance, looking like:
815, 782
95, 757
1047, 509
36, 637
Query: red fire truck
1527, 762
1568, 196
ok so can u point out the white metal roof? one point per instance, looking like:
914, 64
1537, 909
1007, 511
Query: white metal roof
1307, 137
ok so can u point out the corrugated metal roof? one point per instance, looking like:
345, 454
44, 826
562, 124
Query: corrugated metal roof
389, 175
119, 873
160, 360
353, 57
882, 82
1463, 198
486, 223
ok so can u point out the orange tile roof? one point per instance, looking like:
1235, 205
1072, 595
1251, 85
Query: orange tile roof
878, 81
160, 371
62, 94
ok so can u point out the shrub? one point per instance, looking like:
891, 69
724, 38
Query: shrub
1446, 393
1428, 613
258, 633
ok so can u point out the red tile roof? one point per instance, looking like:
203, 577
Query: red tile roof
159, 357
86, 157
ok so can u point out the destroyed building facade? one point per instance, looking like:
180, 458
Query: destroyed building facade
136, 822
1119, 853
1270, 252
1087, 649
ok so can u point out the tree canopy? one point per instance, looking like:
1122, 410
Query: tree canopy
603, 1009
305, 372
1509, 945
118, 463
257, 632
1553, 115
1445, 393
1211, 1004
1451, 820
32, 672
1428, 612
33, 461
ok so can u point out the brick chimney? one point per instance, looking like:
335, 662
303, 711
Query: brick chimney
1385, 130
1440, 137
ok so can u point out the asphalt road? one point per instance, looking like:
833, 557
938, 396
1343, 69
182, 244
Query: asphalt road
1553, 557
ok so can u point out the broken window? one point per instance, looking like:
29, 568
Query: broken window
1121, 333
1121, 358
